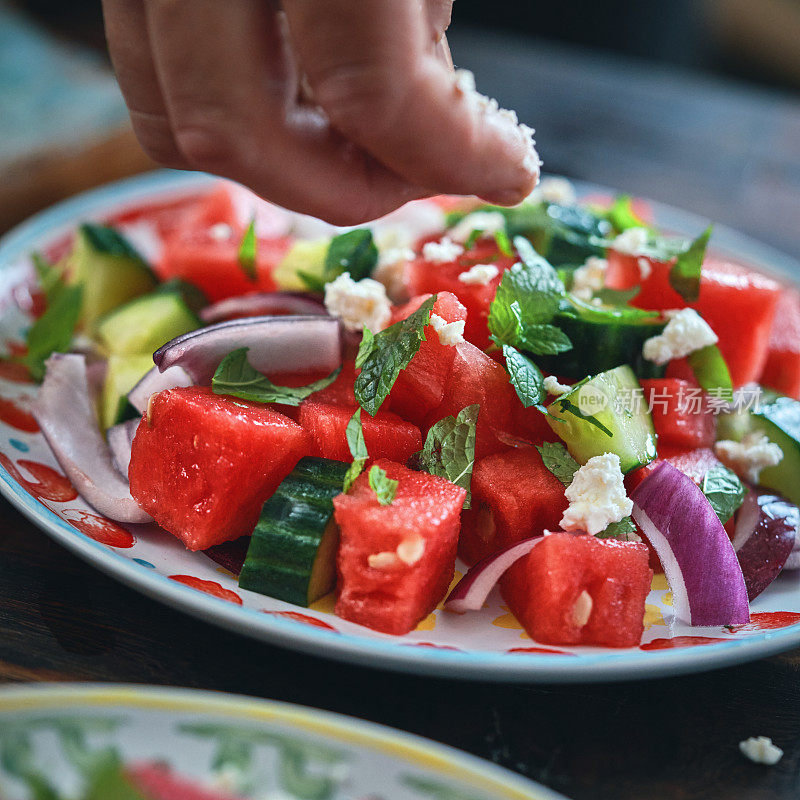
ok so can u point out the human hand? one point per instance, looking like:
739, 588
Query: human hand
218, 86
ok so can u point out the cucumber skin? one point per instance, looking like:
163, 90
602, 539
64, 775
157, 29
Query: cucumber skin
634, 437
288, 536
600, 347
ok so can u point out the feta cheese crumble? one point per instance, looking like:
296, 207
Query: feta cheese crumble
553, 387
450, 333
645, 268
596, 496
554, 190
441, 252
686, 332
479, 275
220, 232
390, 271
590, 278
748, 457
761, 750
631, 242
488, 222
359, 305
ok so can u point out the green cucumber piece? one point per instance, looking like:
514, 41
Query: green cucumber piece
778, 418
109, 269
122, 374
144, 324
611, 399
292, 553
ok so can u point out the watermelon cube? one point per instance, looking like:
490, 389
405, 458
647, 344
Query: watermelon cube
425, 277
782, 370
202, 464
420, 387
681, 415
385, 434
340, 392
477, 378
577, 589
396, 562
157, 781
514, 497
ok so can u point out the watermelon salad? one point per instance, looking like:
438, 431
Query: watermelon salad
559, 394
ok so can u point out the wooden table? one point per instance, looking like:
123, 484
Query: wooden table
729, 153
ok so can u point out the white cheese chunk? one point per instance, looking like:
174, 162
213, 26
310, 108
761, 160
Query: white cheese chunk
686, 332
488, 222
220, 232
479, 275
596, 496
450, 333
553, 387
748, 457
359, 305
554, 190
390, 271
590, 278
441, 252
761, 750
631, 242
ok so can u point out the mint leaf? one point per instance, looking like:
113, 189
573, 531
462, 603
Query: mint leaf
684, 276
557, 459
449, 449
525, 377
111, 781
109, 241
473, 237
358, 449
247, 251
724, 491
236, 378
544, 340
568, 407
50, 279
503, 243
617, 297
624, 530
313, 282
711, 371
53, 331
354, 252
383, 355
622, 216
384, 487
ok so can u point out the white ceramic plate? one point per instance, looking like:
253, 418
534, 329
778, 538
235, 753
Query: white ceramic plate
286, 752
486, 645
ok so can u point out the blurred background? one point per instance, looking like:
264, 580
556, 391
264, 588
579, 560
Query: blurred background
692, 102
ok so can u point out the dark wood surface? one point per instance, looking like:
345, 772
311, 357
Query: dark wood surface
729, 153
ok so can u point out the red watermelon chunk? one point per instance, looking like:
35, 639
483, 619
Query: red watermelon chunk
385, 434
420, 387
377, 587
514, 497
477, 378
577, 589
782, 370
426, 277
340, 392
681, 416
159, 782
202, 464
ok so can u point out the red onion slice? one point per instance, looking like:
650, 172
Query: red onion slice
263, 304
698, 558
276, 344
156, 381
67, 419
120, 439
766, 527
470, 593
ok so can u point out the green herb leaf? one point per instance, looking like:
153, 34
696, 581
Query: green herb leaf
503, 243
109, 241
724, 491
711, 371
384, 487
617, 297
111, 781
382, 356
449, 449
358, 449
568, 407
236, 378
354, 252
53, 331
473, 237
622, 216
49, 276
313, 282
525, 377
557, 459
624, 530
684, 276
247, 251
544, 340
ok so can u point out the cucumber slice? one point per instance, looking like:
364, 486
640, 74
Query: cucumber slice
109, 269
602, 339
144, 324
304, 256
614, 398
778, 418
292, 554
122, 374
